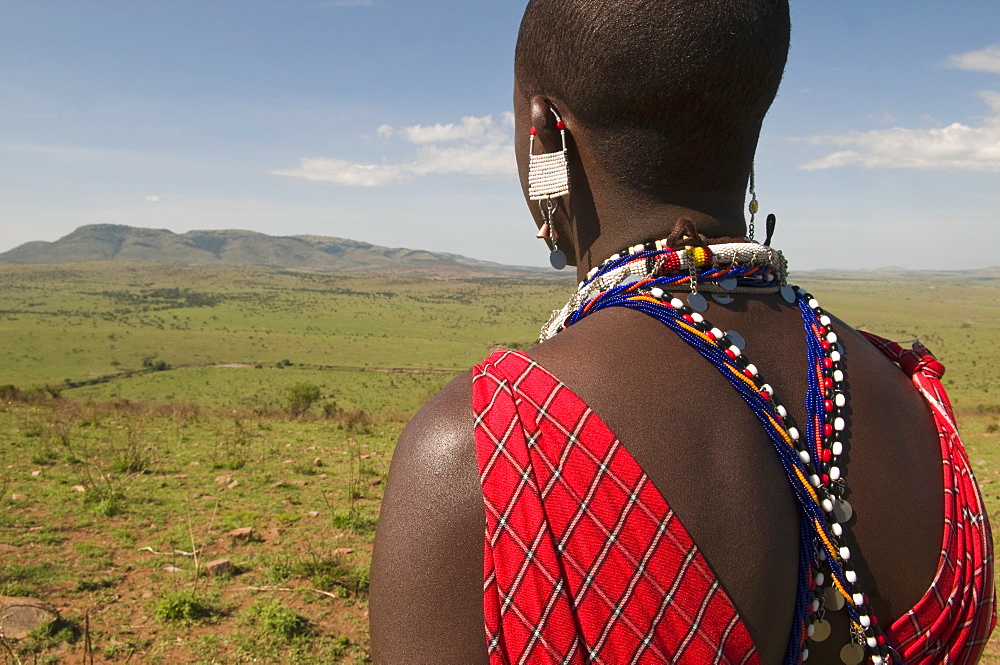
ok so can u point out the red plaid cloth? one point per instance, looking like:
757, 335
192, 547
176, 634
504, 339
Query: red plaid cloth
584, 560
953, 620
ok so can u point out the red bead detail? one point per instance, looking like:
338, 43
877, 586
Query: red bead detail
828, 405
828, 362
688, 318
825, 344
731, 354
825, 478
880, 639
827, 429
560, 125
747, 373
534, 132
828, 382
826, 455
765, 395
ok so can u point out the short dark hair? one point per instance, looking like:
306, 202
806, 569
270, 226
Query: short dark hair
671, 92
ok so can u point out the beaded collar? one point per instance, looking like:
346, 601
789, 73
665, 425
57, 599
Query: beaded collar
742, 267
641, 278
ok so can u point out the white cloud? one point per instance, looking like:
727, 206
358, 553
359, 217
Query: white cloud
956, 147
471, 129
152, 198
341, 172
477, 146
983, 60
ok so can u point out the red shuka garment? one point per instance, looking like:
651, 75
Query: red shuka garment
584, 561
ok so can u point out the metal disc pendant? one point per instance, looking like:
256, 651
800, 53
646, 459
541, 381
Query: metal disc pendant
821, 630
729, 283
843, 511
722, 298
736, 339
697, 302
557, 259
852, 654
788, 293
834, 599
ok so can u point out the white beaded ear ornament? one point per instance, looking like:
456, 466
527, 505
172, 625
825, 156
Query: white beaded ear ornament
753, 207
548, 178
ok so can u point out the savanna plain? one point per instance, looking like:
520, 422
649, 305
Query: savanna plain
192, 459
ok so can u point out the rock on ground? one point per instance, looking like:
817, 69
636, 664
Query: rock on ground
220, 567
19, 617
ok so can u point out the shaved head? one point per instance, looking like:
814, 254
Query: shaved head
671, 93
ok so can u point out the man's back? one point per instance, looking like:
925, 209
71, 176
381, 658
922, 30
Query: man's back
705, 451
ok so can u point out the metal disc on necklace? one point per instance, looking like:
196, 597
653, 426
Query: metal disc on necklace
852, 654
821, 630
788, 293
729, 283
736, 339
557, 259
697, 302
722, 298
834, 599
843, 511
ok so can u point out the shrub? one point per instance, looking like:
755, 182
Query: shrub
180, 607
329, 573
276, 620
301, 396
9, 393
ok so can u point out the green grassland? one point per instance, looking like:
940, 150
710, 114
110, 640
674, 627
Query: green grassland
149, 415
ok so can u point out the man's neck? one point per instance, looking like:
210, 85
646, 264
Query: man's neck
623, 223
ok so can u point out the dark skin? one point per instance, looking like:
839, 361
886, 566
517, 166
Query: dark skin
687, 428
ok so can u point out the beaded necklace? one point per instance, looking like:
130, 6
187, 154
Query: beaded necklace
638, 278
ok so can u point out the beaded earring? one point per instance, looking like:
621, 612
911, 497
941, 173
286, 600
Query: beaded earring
548, 178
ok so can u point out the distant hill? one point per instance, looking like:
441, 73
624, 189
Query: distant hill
113, 242
893, 274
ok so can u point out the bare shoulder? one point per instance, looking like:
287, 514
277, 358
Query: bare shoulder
427, 568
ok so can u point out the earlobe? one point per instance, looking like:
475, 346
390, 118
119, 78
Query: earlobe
544, 117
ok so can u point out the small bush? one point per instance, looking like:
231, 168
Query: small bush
301, 396
276, 620
151, 363
357, 421
106, 503
352, 520
44, 456
10, 393
57, 631
329, 573
180, 607
97, 584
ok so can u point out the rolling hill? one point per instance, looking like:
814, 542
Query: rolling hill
112, 242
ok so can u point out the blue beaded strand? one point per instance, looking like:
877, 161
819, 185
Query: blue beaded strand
815, 522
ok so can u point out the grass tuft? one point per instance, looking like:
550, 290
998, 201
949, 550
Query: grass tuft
276, 621
185, 608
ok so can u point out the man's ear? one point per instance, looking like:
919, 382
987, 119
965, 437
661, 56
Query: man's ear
544, 121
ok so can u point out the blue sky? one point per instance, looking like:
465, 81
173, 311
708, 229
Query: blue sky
388, 121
